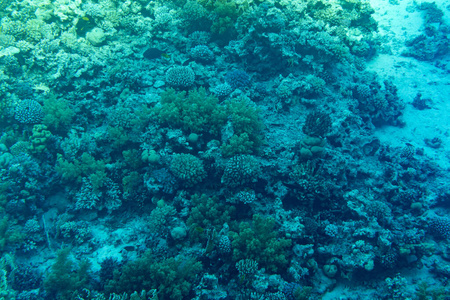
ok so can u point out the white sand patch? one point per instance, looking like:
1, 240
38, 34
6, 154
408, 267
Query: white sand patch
411, 76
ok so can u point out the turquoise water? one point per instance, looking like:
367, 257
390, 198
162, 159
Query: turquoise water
224, 149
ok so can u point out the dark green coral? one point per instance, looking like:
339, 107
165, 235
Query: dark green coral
173, 278
207, 213
66, 277
195, 111
259, 241
247, 125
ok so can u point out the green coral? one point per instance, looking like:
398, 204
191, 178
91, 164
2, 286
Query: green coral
259, 241
247, 125
118, 136
226, 13
57, 113
133, 158
237, 144
207, 213
244, 115
199, 112
302, 293
66, 277
193, 112
38, 138
9, 234
4, 186
86, 166
173, 278
131, 182
6, 103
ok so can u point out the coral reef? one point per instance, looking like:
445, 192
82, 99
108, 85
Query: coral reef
223, 149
